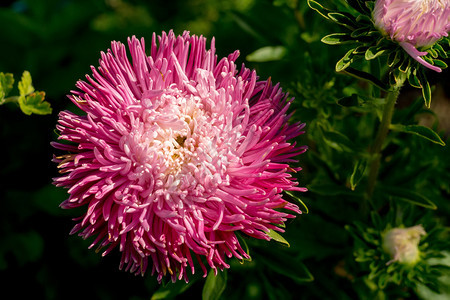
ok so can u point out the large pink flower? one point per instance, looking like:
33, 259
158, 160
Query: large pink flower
414, 24
177, 152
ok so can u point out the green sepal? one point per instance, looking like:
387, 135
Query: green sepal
337, 39
412, 78
34, 104
439, 63
426, 88
393, 59
214, 285
357, 5
440, 50
345, 61
362, 31
374, 52
6, 84
422, 131
345, 20
432, 52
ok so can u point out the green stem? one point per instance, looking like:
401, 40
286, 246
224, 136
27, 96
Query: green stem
382, 133
9, 99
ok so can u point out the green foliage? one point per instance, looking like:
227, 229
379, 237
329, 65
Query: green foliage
29, 101
215, 285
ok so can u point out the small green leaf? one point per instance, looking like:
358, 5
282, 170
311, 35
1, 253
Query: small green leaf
214, 285
337, 39
439, 63
358, 172
25, 85
6, 84
374, 52
413, 80
244, 246
426, 88
345, 61
339, 141
422, 131
34, 103
170, 290
407, 195
277, 237
393, 58
269, 53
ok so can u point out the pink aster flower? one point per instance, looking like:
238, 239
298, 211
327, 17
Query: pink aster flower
414, 24
175, 153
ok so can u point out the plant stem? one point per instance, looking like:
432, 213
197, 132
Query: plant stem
382, 133
9, 99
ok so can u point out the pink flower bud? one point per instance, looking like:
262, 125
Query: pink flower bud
402, 244
413, 24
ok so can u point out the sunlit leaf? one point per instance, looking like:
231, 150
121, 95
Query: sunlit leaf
337, 39
35, 104
25, 84
277, 237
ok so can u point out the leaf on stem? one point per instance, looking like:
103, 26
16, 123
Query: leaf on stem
34, 103
269, 53
422, 131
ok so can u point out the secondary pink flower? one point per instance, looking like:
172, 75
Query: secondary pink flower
414, 24
176, 152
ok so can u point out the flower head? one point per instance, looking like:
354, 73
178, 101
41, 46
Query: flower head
175, 153
402, 244
413, 24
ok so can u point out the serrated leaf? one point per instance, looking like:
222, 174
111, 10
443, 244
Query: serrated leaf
277, 237
6, 84
345, 61
297, 200
422, 131
214, 285
358, 173
25, 84
337, 39
269, 53
407, 195
34, 103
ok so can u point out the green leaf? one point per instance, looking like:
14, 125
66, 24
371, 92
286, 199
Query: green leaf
214, 285
422, 131
6, 84
244, 246
277, 237
339, 141
25, 85
367, 77
374, 52
426, 88
319, 8
412, 79
345, 61
439, 63
358, 172
34, 103
170, 290
407, 195
337, 39
343, 19
269, 53
297, 200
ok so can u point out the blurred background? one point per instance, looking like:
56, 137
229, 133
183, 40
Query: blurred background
58, 41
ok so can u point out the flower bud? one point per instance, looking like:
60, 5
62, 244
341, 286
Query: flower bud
402, 244
413, 24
